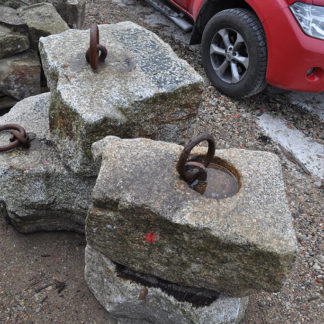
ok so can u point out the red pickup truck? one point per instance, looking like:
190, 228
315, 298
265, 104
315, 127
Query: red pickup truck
247, 44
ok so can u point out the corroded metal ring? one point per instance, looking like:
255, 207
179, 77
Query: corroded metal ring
183, 159
92, 54
19, 137
202, 172
16, 135
103, 52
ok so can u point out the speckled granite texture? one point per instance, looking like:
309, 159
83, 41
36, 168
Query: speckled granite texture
142, 90
234, 245
120, 298
38, 191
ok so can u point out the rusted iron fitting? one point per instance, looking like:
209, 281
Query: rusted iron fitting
194, 168
19, 137
92, 54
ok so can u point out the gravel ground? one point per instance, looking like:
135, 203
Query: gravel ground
42, 274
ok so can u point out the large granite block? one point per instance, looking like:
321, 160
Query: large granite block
37, 192
146, 218
72, 11
42, 20
134, 303
11, 42
142, 89
20, 75
10, 19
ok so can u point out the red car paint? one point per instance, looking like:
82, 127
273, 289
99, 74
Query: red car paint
291, 53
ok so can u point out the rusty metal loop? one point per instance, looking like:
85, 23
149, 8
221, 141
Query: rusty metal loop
202, 171
19, 137
103, 52
92, 54
183, 159
23, 139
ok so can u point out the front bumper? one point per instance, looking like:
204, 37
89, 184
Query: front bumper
291, 55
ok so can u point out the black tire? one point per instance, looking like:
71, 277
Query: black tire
228, 28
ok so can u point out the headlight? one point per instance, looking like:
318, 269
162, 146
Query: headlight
310, 18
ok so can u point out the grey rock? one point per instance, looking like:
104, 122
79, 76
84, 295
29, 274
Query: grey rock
9, 18
72, 11
321, 259
42, 20
38, 191
13, 3
11, 42
142, 89
20, 75
120, 298
236, 245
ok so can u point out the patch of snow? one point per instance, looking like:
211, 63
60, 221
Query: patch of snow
308, 153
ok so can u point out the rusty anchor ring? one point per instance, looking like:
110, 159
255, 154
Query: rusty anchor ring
19, 137
92, 54
183, 165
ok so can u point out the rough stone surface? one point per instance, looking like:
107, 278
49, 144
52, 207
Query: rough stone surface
72, 11
9, 18
42, 20
38, 191
142, 89
120, 298
234, 245
20, 75
13, 3
12, 43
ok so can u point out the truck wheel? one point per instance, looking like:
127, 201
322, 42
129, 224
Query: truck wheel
234, 52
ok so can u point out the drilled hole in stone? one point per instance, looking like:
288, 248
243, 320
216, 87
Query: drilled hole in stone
223, 180
198, 297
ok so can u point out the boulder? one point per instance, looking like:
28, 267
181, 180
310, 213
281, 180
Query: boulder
13, 3
147, 219
42, 20
11, 42
142, 89
136, 303
9, 18
72, 11
36, 191
20, 75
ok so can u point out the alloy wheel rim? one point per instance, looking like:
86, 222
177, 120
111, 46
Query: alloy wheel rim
229, 55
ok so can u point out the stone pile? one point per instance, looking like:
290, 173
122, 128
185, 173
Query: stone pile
157, 251
22, 23
72, 11
44, 187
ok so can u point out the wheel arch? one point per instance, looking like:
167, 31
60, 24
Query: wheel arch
207, 10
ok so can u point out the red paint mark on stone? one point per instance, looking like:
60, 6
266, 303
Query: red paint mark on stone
150, 237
